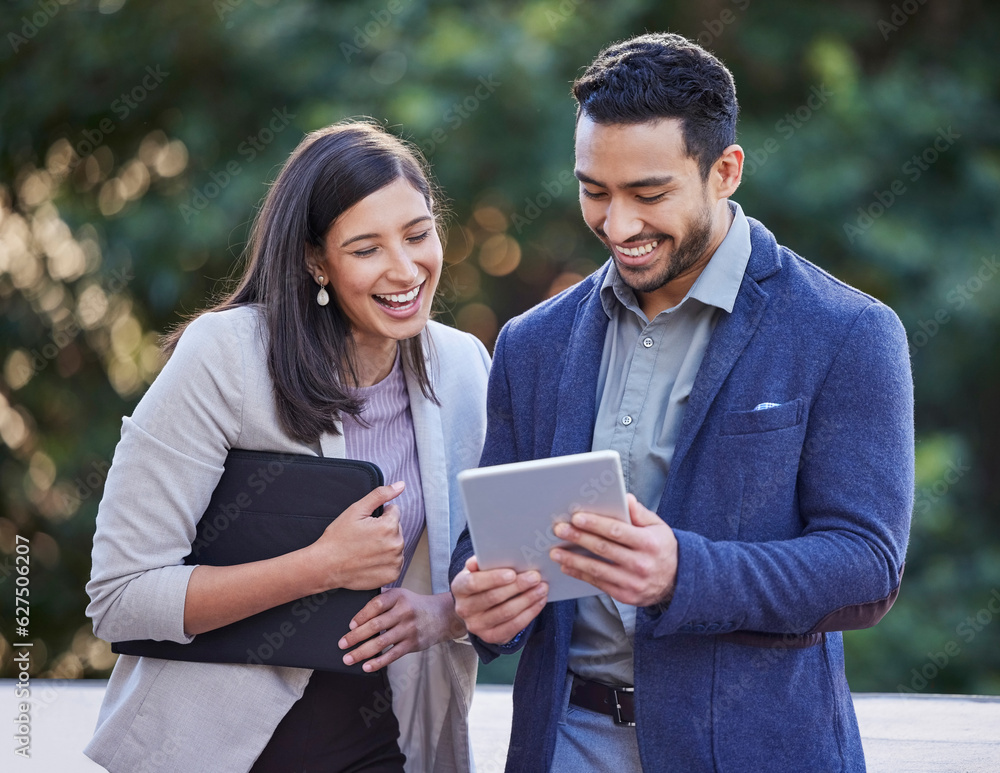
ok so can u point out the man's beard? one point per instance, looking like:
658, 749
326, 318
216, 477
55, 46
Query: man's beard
682, 258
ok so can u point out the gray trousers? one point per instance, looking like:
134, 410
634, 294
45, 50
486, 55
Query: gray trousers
592, 742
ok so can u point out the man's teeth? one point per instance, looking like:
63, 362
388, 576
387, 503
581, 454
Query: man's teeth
635, 252
404, 298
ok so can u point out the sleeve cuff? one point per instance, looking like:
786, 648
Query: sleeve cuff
675, 612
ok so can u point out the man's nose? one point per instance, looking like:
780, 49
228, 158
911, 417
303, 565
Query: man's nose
621, 222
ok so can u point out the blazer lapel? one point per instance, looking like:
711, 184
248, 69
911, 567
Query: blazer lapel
731, 336
577, 402
433, 462
333, 446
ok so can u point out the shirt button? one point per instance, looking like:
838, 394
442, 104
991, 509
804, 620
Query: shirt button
647, 342
626, 420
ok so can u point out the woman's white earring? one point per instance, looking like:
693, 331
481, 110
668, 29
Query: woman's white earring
322, 297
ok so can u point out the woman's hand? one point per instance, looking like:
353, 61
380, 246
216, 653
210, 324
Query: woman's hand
355, 551
358, 551
407, 621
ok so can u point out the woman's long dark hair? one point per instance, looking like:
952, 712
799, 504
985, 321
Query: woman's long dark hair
310, 347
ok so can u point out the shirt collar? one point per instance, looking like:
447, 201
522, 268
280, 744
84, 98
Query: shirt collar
717, 285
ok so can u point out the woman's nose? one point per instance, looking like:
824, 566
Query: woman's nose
404, 267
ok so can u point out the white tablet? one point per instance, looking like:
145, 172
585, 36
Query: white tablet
511, 509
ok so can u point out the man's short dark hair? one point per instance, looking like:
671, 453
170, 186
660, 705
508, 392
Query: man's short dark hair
663, 75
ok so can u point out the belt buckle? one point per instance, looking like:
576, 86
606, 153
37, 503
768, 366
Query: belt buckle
617, 716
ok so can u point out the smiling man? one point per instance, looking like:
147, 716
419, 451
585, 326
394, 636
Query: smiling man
651, 206
763, 412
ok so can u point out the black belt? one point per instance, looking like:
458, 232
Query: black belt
617, 702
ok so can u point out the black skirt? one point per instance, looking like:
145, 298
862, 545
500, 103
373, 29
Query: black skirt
343, 723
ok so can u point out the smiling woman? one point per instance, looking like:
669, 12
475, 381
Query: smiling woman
383, 257
324, 347
335, 199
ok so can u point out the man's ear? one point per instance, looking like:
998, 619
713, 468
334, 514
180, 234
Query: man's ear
727, 172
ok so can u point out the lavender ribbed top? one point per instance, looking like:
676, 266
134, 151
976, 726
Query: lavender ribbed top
389, 442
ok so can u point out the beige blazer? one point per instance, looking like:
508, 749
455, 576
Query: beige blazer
214, 394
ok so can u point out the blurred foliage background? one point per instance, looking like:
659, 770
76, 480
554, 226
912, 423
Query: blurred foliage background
137, 138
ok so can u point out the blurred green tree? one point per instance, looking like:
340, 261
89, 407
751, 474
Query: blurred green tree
136, 139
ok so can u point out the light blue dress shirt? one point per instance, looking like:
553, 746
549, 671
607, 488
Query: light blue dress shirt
647, 370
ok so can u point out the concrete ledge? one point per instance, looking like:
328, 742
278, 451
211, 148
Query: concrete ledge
901, 732
924, 733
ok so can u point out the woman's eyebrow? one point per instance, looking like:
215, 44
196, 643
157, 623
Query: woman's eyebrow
358, 238
410, 224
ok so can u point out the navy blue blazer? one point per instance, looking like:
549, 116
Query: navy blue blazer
792, 521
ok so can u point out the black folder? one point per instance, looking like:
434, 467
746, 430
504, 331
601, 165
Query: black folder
265, 505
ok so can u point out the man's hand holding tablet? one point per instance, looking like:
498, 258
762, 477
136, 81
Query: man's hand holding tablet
612, 544
637, 561
496, 604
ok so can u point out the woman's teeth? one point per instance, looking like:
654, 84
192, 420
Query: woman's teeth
400, 298
636, 252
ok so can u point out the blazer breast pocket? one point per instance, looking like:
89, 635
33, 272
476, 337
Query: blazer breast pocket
763, 419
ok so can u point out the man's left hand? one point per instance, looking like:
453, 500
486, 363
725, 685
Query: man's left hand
640, 566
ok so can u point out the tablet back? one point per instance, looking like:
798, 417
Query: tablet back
511, 509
